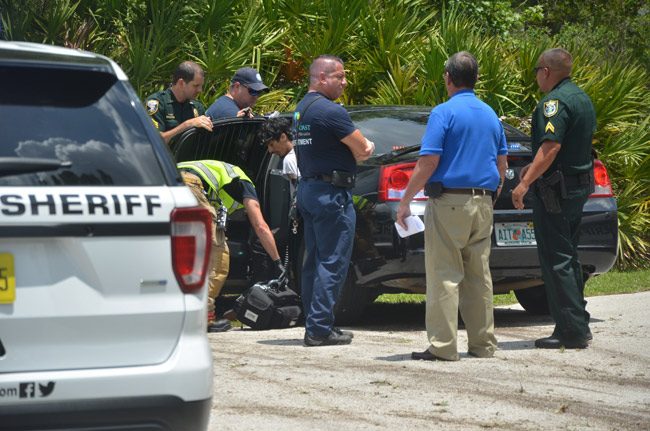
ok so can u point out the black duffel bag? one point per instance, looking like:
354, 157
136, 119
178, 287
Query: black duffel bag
270, 305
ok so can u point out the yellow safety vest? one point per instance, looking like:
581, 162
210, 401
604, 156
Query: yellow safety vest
217, 174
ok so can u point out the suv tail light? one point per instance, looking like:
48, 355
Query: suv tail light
603, 186
191, 235
393, 180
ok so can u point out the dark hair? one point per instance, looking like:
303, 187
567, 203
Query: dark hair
273, 128
462, 68
186, 71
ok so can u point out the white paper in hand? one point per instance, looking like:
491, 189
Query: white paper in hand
413, 225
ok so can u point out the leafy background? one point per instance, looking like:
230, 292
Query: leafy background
394, 53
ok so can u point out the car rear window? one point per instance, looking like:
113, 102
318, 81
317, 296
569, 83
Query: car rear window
391, 130
85, 118
395, 129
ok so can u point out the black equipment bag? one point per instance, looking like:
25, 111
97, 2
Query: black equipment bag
270, 305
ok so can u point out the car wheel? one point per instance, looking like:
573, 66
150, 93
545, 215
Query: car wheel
533, 299
352, 302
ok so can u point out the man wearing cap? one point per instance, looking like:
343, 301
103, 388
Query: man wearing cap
175, 109
245, 87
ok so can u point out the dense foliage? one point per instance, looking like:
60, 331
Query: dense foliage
394, 53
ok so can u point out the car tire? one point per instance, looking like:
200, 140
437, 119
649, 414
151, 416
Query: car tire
352, 301
533, 299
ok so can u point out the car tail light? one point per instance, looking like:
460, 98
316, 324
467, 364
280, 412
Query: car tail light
603, 186
191, 235
393, 180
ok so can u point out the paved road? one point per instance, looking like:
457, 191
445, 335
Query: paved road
267, 380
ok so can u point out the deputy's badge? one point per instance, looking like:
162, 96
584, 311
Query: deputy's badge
550, 108
152, 106
196, 112
549, 126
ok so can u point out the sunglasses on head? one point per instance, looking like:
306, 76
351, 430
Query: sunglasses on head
251, 91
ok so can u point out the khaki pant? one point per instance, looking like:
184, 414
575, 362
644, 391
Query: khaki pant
220, 256
457, 254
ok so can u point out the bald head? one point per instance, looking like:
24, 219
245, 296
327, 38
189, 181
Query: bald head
323, 64
558, 60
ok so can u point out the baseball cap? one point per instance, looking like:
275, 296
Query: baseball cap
249, 77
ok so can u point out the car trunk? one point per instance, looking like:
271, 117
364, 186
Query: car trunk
86, 296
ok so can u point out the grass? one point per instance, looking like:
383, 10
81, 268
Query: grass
611, 283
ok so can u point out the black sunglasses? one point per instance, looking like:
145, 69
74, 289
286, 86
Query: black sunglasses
538, 68
251, 91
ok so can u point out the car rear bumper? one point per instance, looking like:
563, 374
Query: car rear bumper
173, 395
164, 413
512, 267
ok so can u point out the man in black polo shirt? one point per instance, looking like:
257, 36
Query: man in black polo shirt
175, 109
328, 146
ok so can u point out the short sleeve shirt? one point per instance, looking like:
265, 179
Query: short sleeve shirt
290, 165
319, 125
166, 112
223, 107
240, 190
467, 135
566, 115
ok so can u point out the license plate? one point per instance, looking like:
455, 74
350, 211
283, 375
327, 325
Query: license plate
7, 279
514, 234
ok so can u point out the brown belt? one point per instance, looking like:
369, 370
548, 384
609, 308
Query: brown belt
473, 192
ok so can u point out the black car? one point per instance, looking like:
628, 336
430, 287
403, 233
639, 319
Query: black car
382, 262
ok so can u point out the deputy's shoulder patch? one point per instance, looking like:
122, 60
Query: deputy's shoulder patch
152, 106
550, 108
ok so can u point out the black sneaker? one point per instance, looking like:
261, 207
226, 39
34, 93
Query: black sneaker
342, 332
220, 325
333, 339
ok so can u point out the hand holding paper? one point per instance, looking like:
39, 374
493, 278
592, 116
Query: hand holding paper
413, 225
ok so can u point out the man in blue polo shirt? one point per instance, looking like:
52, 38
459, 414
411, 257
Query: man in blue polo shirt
462, 162
328, 146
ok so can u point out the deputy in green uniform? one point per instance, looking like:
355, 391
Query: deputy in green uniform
563, 125
223, 188
175, 109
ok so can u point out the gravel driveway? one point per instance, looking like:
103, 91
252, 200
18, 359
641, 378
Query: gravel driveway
266, 380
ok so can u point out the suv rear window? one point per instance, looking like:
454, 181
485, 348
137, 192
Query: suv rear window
86, 118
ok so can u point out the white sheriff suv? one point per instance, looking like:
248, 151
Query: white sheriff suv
103, 255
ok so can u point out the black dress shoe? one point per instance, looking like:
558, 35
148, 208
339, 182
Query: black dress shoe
220, 325
333, 339
555, 343
425, 356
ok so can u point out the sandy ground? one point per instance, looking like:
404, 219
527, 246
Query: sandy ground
267, 380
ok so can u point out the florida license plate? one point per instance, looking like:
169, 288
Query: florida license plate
514, 234
7, 279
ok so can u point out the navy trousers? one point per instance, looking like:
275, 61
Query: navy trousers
328, 222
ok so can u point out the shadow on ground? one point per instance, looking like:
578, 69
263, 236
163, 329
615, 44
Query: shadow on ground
383, 316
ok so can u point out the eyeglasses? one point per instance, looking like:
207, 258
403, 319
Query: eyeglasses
251, 91
538, 68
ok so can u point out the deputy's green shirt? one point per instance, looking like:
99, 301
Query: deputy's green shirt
566, 115
166, 112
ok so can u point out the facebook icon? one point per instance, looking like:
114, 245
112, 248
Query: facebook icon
27, 390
